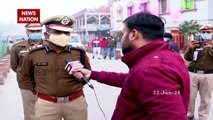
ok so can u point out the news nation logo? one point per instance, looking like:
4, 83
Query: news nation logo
28, 15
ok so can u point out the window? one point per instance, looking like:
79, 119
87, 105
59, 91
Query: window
119, 12
130, 7
92, 20
130, 10
105, 20
188, 4
163, 6
144, 7
119, 15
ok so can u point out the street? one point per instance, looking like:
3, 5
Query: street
11, 104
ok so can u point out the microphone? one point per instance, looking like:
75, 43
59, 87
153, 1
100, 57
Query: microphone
77, 66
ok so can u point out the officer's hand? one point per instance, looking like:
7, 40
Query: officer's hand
79, 74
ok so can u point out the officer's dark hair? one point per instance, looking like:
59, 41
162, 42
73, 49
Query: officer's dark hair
151, 26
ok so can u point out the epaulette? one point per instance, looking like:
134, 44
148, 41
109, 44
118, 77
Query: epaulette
81, 50
36, 47
22, 43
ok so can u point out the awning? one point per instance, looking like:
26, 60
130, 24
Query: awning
116, 29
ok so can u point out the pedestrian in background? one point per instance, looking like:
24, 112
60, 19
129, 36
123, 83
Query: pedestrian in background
104, 47
157, 85
19, 50
95, 44
111, 46
169, 40
201, 72
59, 94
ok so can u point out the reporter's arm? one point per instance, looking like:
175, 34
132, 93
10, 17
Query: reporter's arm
109, 78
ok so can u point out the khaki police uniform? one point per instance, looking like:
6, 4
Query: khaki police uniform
59, 94
201, 76
17, 54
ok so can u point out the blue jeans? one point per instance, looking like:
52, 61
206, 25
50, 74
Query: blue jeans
104, 52
111, 52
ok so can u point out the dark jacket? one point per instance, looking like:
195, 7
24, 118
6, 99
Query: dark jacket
173, 45
112, 42
157, 86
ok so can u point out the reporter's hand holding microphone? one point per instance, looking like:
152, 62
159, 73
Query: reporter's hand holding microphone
76, 68
83, 72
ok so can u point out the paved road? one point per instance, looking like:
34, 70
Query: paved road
11, 104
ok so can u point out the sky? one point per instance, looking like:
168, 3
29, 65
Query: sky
48, 8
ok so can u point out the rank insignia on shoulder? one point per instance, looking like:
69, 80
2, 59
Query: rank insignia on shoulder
36, 47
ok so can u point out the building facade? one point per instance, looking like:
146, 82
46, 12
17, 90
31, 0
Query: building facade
173, 11
91, 22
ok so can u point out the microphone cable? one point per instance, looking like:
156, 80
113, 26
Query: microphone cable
99, 104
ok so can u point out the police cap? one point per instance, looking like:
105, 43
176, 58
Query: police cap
33, 26
61, 23
206, 27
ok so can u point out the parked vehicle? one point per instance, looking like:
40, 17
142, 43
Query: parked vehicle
75, 41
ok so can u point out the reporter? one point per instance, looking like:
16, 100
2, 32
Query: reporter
157, 85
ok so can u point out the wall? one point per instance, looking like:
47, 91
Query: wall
175, 15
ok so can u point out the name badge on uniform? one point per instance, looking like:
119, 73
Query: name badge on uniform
195, 55
42, 64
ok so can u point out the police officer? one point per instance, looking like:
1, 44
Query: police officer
59, 94
201, 72
34, 33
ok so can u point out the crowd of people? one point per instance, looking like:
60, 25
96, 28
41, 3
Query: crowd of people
158, 86
104, 46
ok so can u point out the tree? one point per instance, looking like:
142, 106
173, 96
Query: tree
189, 29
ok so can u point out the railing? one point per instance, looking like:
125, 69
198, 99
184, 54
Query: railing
4, 48
4, 59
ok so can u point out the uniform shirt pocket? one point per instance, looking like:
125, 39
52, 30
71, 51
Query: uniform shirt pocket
41, 68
